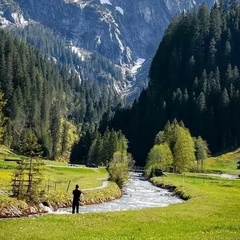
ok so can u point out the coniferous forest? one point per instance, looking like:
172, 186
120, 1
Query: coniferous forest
45, 100
194, 78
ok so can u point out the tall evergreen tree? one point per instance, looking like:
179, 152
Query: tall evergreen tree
2, 118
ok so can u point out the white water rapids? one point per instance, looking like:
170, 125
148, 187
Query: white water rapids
137, 194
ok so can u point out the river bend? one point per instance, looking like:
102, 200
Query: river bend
137, 194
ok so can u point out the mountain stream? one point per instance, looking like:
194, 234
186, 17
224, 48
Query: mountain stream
137, 194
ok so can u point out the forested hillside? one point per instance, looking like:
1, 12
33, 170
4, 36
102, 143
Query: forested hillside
46, 100
92, 67
194, 77
114, 41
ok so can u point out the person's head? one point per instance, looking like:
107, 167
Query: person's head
77, 186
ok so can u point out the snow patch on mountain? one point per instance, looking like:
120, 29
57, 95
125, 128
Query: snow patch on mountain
80, 3
19, 19
15, 18
3, 21
78, 52
127, 87
137, 65
120, 10
105, 2
117, 34
147, 13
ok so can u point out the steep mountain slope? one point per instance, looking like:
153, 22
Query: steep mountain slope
126, 32
194, 78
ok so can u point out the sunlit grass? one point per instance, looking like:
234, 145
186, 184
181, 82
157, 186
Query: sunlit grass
5, 179
85, 177
59, 179
225, 162
211, 213
57, 176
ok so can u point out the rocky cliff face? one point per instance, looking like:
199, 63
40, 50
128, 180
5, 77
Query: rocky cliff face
127, 32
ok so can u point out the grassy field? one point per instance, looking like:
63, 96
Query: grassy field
57, 175
212, 212
59, 179
224, 163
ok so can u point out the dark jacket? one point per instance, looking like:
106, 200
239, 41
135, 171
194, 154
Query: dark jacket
76, 195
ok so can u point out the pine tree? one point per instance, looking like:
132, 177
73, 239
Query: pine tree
215, 22
95, 151
30, 147
2, 118
212, 54
55, 124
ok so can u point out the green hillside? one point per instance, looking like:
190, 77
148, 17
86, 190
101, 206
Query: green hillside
226, 162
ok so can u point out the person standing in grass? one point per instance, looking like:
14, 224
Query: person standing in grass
76, 199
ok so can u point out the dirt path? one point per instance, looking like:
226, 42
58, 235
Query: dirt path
104, 184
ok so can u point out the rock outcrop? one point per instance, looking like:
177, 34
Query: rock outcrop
127, 32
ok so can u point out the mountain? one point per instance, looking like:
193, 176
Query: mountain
125, 32
194, 78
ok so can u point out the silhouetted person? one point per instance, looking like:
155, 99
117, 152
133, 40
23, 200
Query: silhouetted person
76, 199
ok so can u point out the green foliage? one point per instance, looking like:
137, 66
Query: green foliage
47, 96
105, 145
96, 150
28, 176
29, 144
2, 118
110, 149
176, 150
201, 150
194, 77
27, 180
159, 157
118, 169
68, 137
183, 150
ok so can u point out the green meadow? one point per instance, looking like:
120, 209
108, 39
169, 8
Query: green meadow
212, 212
57, 175
59, 180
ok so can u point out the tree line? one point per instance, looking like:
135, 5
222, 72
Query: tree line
108, 149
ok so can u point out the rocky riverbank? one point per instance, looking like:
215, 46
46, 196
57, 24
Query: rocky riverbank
20, 211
